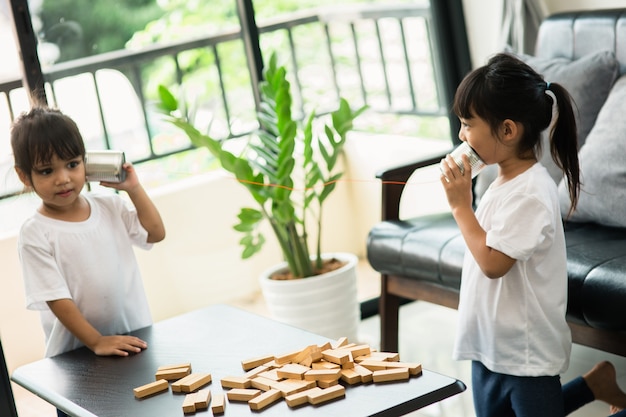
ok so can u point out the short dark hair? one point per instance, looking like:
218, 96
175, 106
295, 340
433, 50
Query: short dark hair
41, 133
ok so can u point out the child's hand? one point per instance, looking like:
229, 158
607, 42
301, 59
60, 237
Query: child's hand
130, 183
118, 345
458, 186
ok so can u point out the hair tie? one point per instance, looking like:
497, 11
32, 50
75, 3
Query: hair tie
547, 85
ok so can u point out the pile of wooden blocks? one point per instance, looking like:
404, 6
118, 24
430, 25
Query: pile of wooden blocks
307, 376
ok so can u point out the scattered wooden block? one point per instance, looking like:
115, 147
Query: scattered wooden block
301, 397
286, 357
291, 386
324, 365
263, 400
255, 362
327, 394
218, 404
395, 374
337, 356
173, 373
350, 376
358, 350
151, 388
255, 371
342, 341
235, 382
326, 384
271, 374
414, 368
202, 398
242, 394
366, 374
292, 371
180, 365
323, 375
189, 403
261, 383
191, 382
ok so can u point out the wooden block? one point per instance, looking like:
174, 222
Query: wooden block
414, 368
189, 403
218, 404
358, 350
323, 375
191, 382
325, 365
342, 341
180, 365
366, 374
325, 346
327, 394
271, 374
235, 382
151, 388
293, 371
286, 357
255, 371
255, 362
395, 374
202, 398
173, 373
291, 386
326, 384
350, 376
337, 356
263, 400
261, 383
242, 394
301, 397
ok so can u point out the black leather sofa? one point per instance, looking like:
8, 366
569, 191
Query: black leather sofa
421, 258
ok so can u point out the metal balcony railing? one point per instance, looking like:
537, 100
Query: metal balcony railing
385, 57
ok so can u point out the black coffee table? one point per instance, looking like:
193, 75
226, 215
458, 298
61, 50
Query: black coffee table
214, 339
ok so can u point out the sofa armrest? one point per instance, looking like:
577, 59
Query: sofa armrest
394, 180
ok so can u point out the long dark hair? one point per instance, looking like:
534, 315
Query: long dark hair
508, 88
42, 132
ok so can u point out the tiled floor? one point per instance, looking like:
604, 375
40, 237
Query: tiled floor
427, 333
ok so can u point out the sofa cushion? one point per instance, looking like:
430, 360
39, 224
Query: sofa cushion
431, 248
588, 80
603, 171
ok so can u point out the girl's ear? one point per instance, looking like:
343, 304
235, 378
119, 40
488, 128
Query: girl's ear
23, 177
511, 130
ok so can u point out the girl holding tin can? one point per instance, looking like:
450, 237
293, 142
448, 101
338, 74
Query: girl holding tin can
76, 251
513, 294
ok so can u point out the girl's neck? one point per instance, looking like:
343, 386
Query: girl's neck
509, 169
79, 211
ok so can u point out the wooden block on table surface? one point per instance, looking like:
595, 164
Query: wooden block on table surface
261, 383
414, 368
301, 397
350, 376
180, 365
326, 384
379, 356
337, 356
325, 365
255, 371
218, 404
291, 386
271, 374
323, 375
342, 341
325, 346
263, 400
151, 388
172, 373
189, 403
292, 371
286, 358
255, 362
366, 374
191, 382
395, 374
202, 398
242, 394
235, 382
358, 350
327, 394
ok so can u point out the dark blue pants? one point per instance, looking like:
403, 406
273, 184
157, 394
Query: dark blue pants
500, 395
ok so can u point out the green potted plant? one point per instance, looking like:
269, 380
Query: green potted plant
290, 167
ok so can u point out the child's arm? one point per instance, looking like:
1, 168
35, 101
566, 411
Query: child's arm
68, 314
147, 212
458, 187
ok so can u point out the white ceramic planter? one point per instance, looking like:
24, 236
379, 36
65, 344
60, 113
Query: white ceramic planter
326, 304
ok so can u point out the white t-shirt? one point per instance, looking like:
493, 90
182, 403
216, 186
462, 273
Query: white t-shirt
516, 324
91, 262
